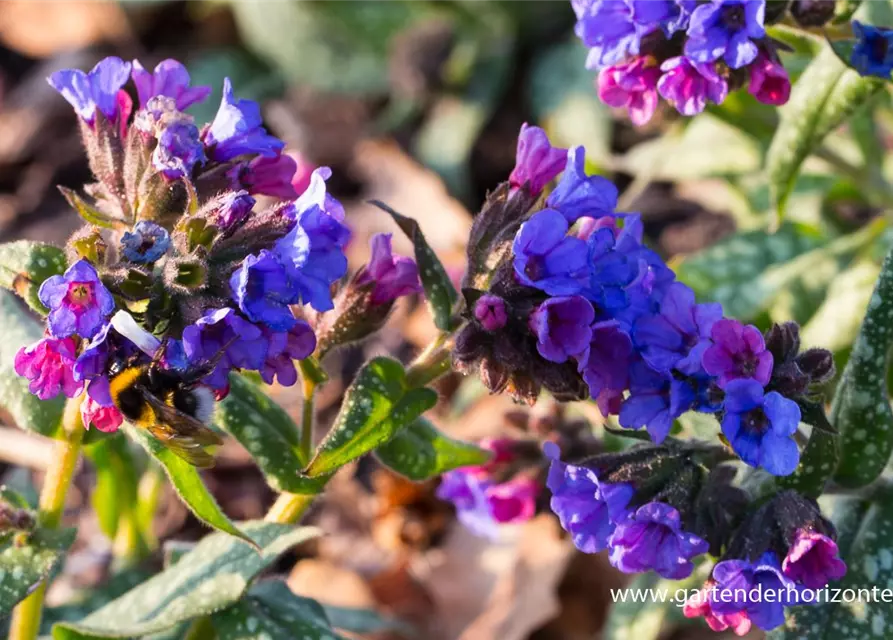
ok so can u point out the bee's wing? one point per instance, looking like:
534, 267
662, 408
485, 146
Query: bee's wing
181, 433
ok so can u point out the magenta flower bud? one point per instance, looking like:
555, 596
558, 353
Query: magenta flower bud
632, 85
503, 449
537, 162
267, 176
490, 311
769, 81
813, 560
233, 208
689, 86
106, 419
49, 366
698, 605
300, 181
394, 276
513, 501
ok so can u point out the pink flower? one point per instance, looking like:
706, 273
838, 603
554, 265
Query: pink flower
632, 85
304, 169
813, 560
769, 81
49, 365
737, 352
270, 176
106, 419
689, 86
537, 162
513, 501
699, 605
394, 276
490, 311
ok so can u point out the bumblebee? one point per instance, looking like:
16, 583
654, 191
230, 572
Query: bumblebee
169, 403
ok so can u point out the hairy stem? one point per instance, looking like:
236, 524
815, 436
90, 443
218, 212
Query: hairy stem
434, 361
25, 623
307, 419
289, 507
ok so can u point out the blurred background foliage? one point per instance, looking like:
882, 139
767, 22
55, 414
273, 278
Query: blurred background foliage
418, 103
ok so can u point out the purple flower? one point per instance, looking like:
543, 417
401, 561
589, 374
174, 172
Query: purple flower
679, 334
92, 365
546, 258
394, 276
688, 86
577, 195
49, 366
244, 343
490, 311
737, 352
605, 365
759, 426
610, 271
146, 243
170, 78
237, 129
652, 538
608, 29
232, 208
266, 176
813, 560
264, 286
726, 29
467, 490
562, 327
649, 402
586, 508
179, 149
98, 89
314, 249
286, 347
78, 301
873, 53
632, 85
736, 578
537, 162
671, 15
769, 81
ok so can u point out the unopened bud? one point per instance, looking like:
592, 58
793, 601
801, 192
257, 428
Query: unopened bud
490, 311
813, 13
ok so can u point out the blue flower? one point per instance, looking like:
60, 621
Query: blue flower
679, 334
873, 53
671, 15
316, 194
284, 348
587, 508
169, 78
726, 29
264, 286
605, 365
243, 343
237, 129
653, 539
97, 89
146, 243
546, 258
735, 580
649, 402
760, 426
610, 272
608, 29
314, 248
577, 195
179, 149
78, 301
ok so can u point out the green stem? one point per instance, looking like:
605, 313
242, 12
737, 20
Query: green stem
307, 419
289, 507
433, 362
25, 623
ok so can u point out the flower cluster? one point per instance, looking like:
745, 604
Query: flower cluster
200, 277
562, 294
687, 52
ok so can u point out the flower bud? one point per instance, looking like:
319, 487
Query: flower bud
813, 13
86, 243
490, 311
185, 275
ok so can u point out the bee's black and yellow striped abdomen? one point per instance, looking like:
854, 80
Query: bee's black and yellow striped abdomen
131, 402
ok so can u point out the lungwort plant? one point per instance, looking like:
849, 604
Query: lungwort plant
721, 467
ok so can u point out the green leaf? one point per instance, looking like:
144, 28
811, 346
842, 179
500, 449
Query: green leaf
364, 621
26, 409
421, 451
24, 265
376, 407
117, 477
728, 271
822, 99
271, 611
439, 289
88, 212
187, 482
269, 435
861, 408
212, 576
26, 560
